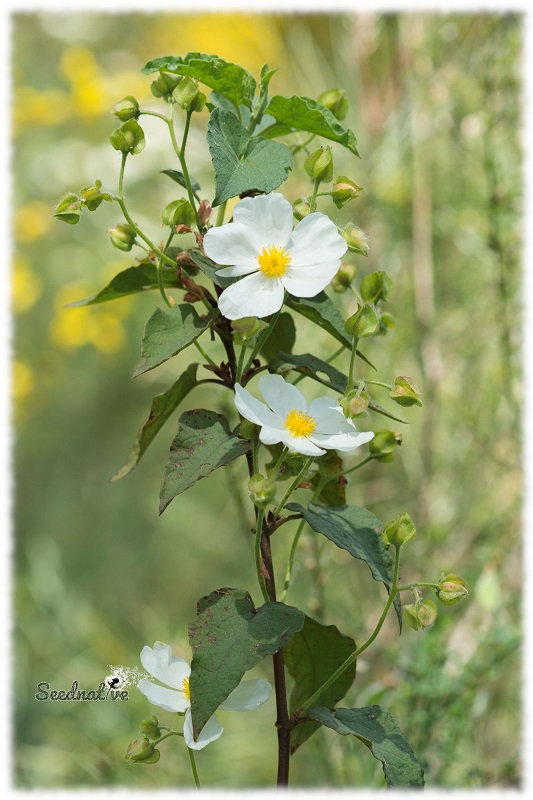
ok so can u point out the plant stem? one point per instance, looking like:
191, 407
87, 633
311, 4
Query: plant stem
257, 552
412, 586
262, 339
379, 383
281, 459
312, 202
220, 214
294, 484
203, 353
240, 365
180, 152
193, 768
290, 562
351, 379
160, 272
351, 658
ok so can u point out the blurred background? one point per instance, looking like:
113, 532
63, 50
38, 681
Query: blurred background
435, 105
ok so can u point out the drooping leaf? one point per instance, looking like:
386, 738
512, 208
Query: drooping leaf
209, 268
179, 178
131, 281
282, 337
378, 730
357, 531
162, 407
170, 331
229, 637
228, 79
243, 163
305, 114
311, 657
203, 443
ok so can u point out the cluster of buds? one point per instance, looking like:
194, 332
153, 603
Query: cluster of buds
143, 751
69, 207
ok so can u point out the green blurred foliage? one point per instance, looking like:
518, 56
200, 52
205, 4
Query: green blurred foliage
435, 104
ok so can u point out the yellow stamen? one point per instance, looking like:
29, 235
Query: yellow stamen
273, 261
299, 423
186, 688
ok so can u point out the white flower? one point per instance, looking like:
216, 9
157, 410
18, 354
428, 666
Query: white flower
260, 240
289, 419
175, 672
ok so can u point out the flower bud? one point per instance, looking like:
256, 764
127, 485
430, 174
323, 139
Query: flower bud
165, 84
150, 727
141, 750
400, 531
262, 490
363, 323
187, 94
381, 447
386, 322
92, 196
68, 209
421, 614
126, 109
204, 212
410, 617
249, 430
247, 327
335, 100
405, 393
319, 165
343, 278
376, 286
301, 208
179, 212
451, 590
122, 236
344, 190
129, 138
356, 239
355, 404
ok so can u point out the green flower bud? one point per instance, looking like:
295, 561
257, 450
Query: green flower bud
356, 239
343, 278
319, 165
92, 196
126, 109
68, 209
129, 138
249, 430
150, 727
179, 212
122, 236
405, 393
386, 322
344, 190
400, 531
262, 490
363, 323
247, 327
422, 614
381, 447
376, 286
410, 617
335, 100
187, 93
165, 84
355, 404
143, 751
451, 590
301, 208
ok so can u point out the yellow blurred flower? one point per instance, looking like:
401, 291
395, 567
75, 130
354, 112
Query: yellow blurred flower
75, 327
23, 381
32, 221
26, 286
32, 107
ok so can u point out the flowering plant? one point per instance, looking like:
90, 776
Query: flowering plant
247, 280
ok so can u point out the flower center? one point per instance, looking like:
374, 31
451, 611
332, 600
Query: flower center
273, 261
299, 423
186, 688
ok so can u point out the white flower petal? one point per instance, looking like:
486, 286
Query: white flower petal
211, 731
329, 416
169, 699
254, 410
269, 435
281, 396
253, 296
231, 244
158, 661
308, 281
237, 270
300, 444
342, 441
247, 696
269, 216
316, 240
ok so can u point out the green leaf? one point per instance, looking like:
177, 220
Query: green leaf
305, 114
209, 268
170, 331
311, 657
228, 79
179, 177
162, 407
282, 337
202, 444
243, 163
229, 637
131, 281
378, 730
359, 532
